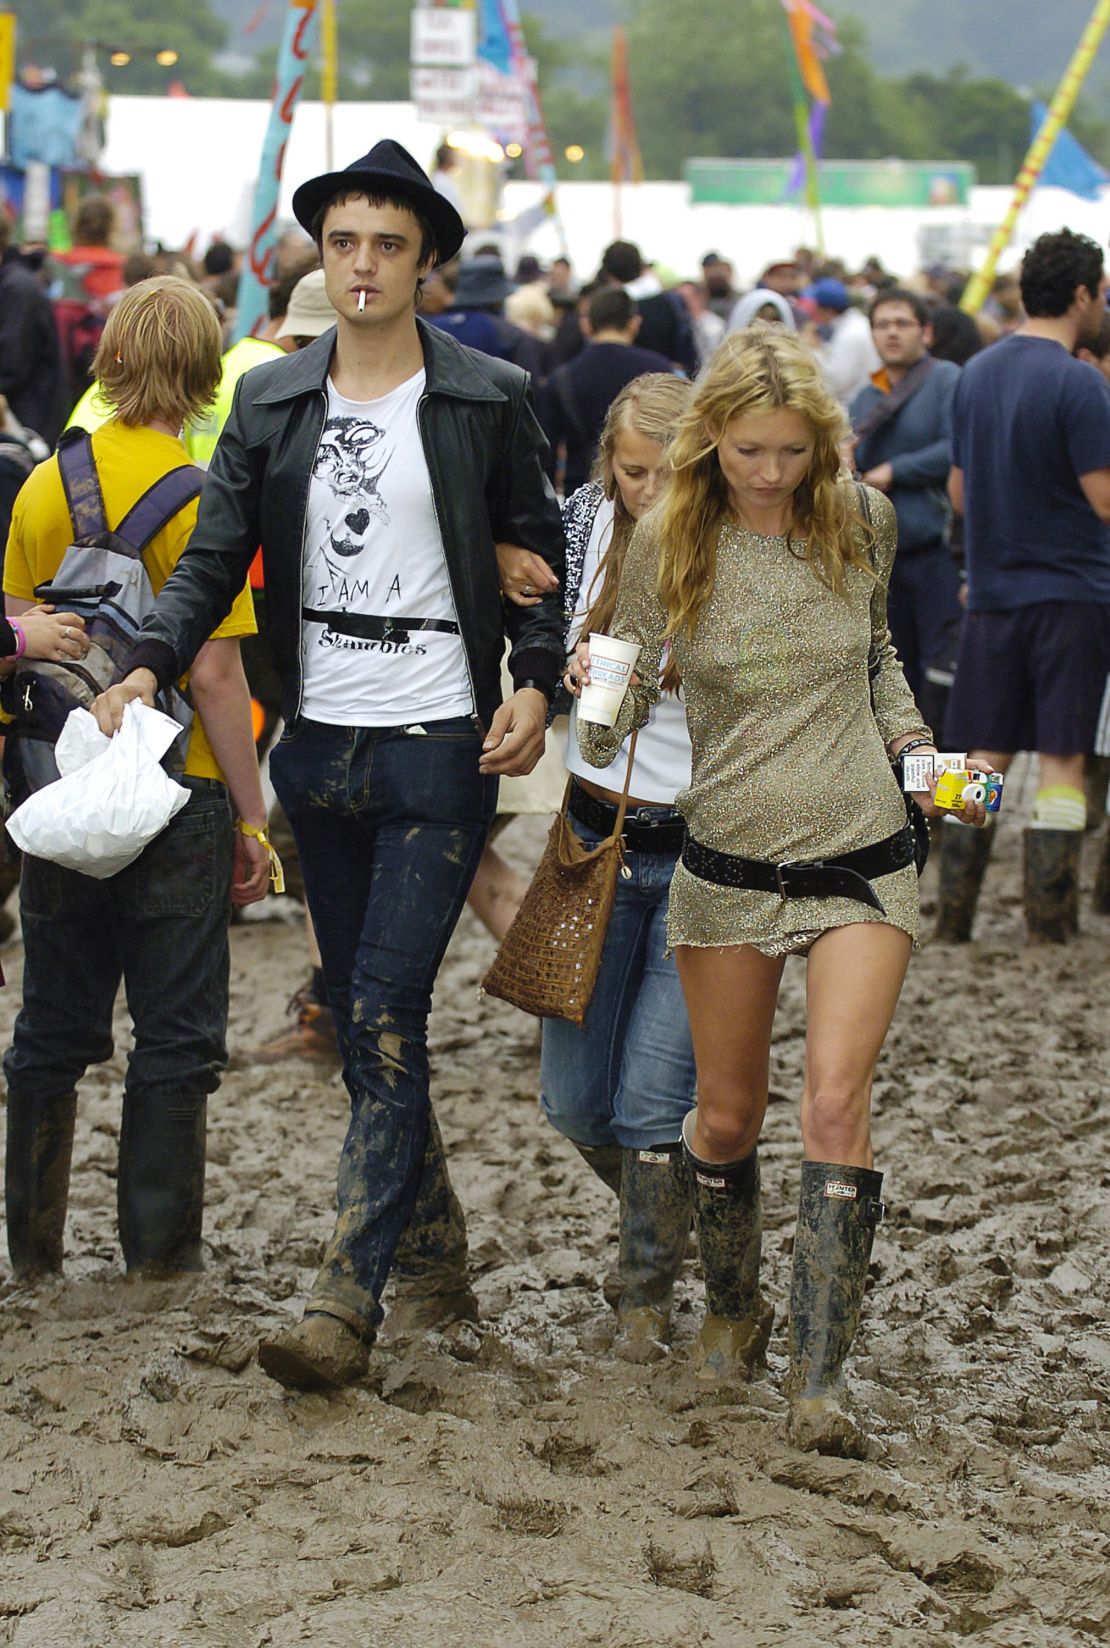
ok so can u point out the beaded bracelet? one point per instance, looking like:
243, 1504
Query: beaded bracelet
20, 637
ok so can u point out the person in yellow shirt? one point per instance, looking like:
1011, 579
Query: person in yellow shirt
160, 926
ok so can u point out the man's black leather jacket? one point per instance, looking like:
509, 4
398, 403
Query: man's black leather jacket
485, 454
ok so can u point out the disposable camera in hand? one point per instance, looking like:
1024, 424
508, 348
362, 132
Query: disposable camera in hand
957, 782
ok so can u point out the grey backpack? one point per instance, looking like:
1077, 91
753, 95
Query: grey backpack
103, 579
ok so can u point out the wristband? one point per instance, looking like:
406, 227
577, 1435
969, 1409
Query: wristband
277, 874
914, 744
20, 637
537, 686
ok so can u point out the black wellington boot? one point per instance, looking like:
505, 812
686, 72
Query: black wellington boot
964, 854
606, 1160
36, 1182
1050, 888
430, 1282
838, 1211
728, 1217
654, 1235
160, 1192
1100, 896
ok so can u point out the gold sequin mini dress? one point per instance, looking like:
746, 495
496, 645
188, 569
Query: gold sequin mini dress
789, 760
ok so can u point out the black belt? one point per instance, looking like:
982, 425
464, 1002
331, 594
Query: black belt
368, 627
641, 834
848, 876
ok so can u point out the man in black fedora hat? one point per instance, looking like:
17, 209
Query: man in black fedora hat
377, 468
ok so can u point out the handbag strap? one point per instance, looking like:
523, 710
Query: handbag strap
618, 827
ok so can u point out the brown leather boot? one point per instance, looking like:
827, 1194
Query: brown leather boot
312, 1035
319, 1353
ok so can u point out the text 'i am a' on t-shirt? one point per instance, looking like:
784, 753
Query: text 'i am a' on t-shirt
380, 636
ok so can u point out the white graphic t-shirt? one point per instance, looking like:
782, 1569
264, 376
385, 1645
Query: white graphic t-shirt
373, 558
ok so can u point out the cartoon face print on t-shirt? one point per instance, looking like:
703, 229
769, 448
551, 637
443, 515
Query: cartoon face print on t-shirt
350, 462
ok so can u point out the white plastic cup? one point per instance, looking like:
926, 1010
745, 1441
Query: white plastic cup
611, 664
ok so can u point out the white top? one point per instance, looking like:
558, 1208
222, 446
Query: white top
373, 551
662, 765
849, 356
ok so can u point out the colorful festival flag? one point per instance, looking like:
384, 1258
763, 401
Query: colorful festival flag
258, 265
813, 41
1069, 166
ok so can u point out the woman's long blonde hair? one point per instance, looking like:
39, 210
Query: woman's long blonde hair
759, 370
650, 405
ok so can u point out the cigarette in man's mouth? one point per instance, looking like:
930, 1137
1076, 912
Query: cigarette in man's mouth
362, 300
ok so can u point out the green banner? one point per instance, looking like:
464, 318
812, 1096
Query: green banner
842, 182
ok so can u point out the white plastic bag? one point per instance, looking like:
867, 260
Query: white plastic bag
113, 796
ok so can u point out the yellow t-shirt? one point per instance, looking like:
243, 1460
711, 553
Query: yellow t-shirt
128, 461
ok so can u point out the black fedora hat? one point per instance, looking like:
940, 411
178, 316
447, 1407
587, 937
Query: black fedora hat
388, 169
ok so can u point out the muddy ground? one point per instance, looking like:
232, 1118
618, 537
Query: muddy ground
515, 1486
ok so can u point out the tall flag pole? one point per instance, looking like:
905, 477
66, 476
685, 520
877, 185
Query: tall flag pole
975, 293
812, 39
539, 159
258, 265
625, 161
329, 78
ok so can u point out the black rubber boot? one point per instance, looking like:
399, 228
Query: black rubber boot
36, 1182
654, 1235
1050, 888
1100, 896
728, 1216
160, 1192
606, 1160
838, 1211
429, 1281
964, 854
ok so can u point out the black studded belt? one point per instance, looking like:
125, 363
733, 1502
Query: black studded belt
848, 876
367, 626
644, 830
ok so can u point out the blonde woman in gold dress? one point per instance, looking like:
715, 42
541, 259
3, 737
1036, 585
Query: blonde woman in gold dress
769, 578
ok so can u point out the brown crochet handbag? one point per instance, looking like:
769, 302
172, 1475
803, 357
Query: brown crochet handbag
549, 959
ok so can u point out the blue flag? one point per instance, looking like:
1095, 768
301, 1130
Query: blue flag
1069, 166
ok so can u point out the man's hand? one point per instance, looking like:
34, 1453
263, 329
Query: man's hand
525, 576
250, 870
881, 477
109, 707
516, 736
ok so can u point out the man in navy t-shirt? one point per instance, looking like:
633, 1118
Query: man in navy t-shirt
576, 398
1031, 476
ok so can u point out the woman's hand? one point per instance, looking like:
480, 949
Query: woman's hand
973, 813
57, 636
525, 576
578, 670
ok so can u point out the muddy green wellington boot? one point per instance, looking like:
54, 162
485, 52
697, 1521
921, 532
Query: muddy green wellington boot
964, 855
1100, 895
429, 1282
160, 1190
728, 1217
838, 1211
36, 1182
654, 1235
606, 1160
1050, 886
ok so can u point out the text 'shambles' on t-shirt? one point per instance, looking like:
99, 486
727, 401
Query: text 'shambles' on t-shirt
380, 635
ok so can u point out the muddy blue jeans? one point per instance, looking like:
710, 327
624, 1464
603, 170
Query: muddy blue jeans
626, 1075
390, 823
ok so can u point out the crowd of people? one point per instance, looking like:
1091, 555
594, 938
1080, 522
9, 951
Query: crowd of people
844, 523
